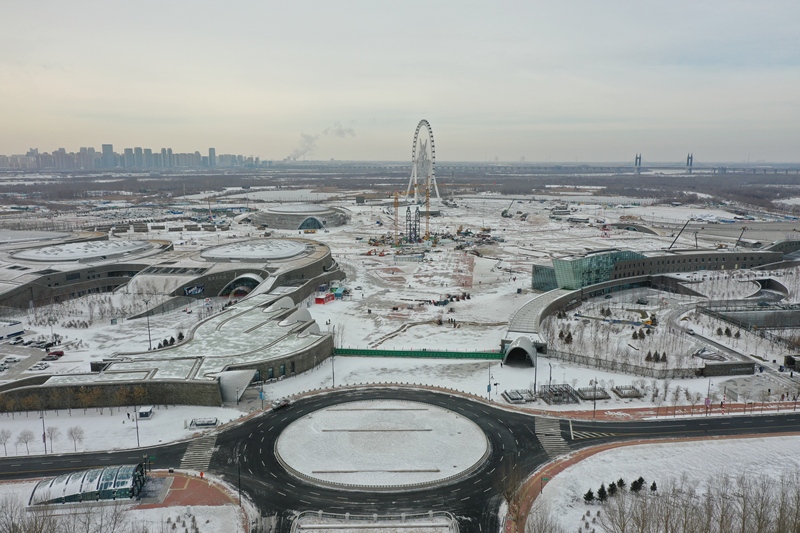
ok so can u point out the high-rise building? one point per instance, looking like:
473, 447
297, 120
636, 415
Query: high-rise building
138, 157
109, 159
128, 161
212, 157
148, 158
168, 162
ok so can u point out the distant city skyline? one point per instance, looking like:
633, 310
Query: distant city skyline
550, 81
88, 158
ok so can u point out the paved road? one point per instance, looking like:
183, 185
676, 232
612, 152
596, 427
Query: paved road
473, 499
21, 467
518, 441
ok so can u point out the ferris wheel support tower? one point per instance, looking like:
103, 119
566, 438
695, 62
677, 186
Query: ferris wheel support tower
423, 166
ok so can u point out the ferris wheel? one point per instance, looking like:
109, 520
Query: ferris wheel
423, 162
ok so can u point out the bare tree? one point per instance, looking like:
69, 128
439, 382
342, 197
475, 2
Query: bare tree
676, 398
541, 520
52, 433
25, 437
509, 485
76, 433
5, 436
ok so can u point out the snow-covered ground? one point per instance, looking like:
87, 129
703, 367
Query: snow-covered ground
380, 443
696, 463
106, 429
209, 519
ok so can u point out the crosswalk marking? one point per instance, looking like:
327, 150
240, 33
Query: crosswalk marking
576, 435
548, 431
198, 453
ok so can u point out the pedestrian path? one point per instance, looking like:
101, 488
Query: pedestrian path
198, 454
548, 431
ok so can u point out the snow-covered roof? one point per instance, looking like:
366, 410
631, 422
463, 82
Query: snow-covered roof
82, 251
299, 208
269, 249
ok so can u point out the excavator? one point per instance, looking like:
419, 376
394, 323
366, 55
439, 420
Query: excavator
507, 211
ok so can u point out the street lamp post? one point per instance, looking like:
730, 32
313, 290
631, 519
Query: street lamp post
550, 381
147, 314
594, 399
136, 421
44, 436
535, 371
239, 471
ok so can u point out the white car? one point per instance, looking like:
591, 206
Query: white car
12, 359
40, 366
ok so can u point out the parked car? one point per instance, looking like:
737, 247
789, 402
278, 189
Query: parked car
40, 366
607, 296
280, 404
50, 358
18, 340
12, 359
690, 331
57, 353
27, 343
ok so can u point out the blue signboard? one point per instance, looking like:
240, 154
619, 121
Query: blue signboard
192, 291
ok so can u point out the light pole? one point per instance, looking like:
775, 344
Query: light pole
550, 381
44, 436
594, 399
239, 471
136, 421
333, 367
147, 314
535, 371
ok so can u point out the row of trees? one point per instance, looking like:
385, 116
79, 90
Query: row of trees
742, 504
26, 437
722, 504
614, 487
69, 398
15, 517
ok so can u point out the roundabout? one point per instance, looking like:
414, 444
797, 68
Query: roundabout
280, 455
382, 445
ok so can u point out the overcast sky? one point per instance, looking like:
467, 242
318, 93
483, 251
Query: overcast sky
555, 81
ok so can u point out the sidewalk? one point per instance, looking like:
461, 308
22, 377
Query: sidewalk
191, 490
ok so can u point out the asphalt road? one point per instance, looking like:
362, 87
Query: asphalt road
23, 467
587, 432
473, 499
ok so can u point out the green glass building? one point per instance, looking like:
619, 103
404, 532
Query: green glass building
594, 267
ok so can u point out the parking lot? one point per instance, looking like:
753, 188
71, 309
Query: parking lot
28, 357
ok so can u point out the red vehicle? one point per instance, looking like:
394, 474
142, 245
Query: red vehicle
57, 353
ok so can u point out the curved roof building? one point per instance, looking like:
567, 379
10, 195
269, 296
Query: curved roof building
300, 216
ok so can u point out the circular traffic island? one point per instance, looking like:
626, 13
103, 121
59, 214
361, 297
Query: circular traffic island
383, 445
